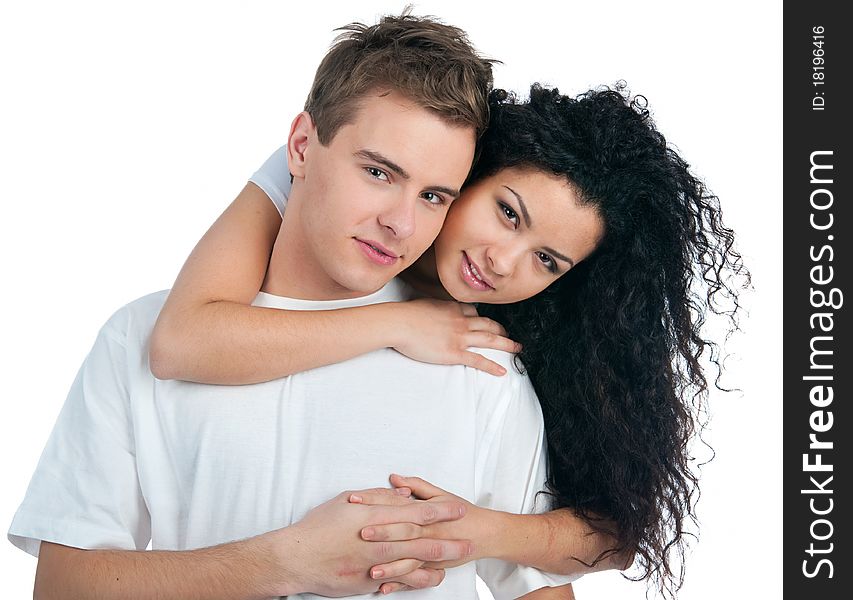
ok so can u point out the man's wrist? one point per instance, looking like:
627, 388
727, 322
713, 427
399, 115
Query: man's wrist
275, 556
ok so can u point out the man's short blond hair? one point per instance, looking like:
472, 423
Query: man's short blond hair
430, 63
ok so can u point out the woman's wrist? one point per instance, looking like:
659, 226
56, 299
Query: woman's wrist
520, 538
392, 323
495, 539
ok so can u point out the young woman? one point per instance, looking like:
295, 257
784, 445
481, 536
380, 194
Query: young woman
581, 235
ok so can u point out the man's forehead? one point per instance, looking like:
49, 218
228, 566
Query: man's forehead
380, 114
411, 141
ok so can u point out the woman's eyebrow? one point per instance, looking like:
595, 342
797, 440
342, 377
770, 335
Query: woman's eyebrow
558, 255
526, 216
524, 212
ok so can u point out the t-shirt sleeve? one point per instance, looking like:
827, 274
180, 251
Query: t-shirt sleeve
85, 492
512, 469
274, 178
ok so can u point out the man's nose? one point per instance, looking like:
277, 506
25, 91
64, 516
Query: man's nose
400, 217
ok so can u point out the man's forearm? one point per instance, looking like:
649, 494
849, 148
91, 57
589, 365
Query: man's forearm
243, 570
322, 554
556, 542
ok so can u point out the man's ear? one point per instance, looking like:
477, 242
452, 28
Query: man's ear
302, 134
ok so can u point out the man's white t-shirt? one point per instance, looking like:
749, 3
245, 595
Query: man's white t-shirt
133, 459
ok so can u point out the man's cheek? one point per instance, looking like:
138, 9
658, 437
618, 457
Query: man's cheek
426, 240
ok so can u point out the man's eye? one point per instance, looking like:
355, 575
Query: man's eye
433, 198
509, 213
377, 173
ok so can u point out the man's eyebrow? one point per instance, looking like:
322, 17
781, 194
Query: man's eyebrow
392, 166
452, 192
382, 160
526, 216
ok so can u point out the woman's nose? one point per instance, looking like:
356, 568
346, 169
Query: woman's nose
502, 259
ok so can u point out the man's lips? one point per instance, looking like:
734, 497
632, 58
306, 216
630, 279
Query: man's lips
473, 276
376, 252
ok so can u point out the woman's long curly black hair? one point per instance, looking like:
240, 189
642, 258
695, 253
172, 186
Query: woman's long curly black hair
614, 347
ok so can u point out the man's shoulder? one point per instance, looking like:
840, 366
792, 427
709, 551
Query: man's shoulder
515, 371
513, 387
508, 402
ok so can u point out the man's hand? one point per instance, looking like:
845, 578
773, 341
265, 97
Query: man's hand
323, 553
477, 525
332, 557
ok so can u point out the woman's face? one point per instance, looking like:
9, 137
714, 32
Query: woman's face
511, 235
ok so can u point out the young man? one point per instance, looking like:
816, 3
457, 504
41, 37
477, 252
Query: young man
191, 468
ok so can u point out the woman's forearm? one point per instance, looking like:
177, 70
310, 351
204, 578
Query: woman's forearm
208, 332
563, 592
555, 542
225, 342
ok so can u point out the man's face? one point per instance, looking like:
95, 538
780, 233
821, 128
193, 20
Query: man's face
375, 198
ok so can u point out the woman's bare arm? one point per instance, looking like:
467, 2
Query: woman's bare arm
555, 542
207, 331
563, 592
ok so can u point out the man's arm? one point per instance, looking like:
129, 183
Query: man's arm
86, 493
236, 571
322, 554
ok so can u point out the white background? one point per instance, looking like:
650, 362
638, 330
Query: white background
125, 128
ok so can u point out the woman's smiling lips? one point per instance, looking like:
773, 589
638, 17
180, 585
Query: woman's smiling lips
376, 252
472, 275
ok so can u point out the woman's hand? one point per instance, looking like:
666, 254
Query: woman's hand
478, 524
335, 558
441, 331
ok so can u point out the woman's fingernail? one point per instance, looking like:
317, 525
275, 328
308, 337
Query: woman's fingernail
355, 498
377, 573
403, 491
367, 533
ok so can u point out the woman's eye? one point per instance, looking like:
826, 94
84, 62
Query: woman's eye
433, 198
377, 173
509, 214
547, 261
